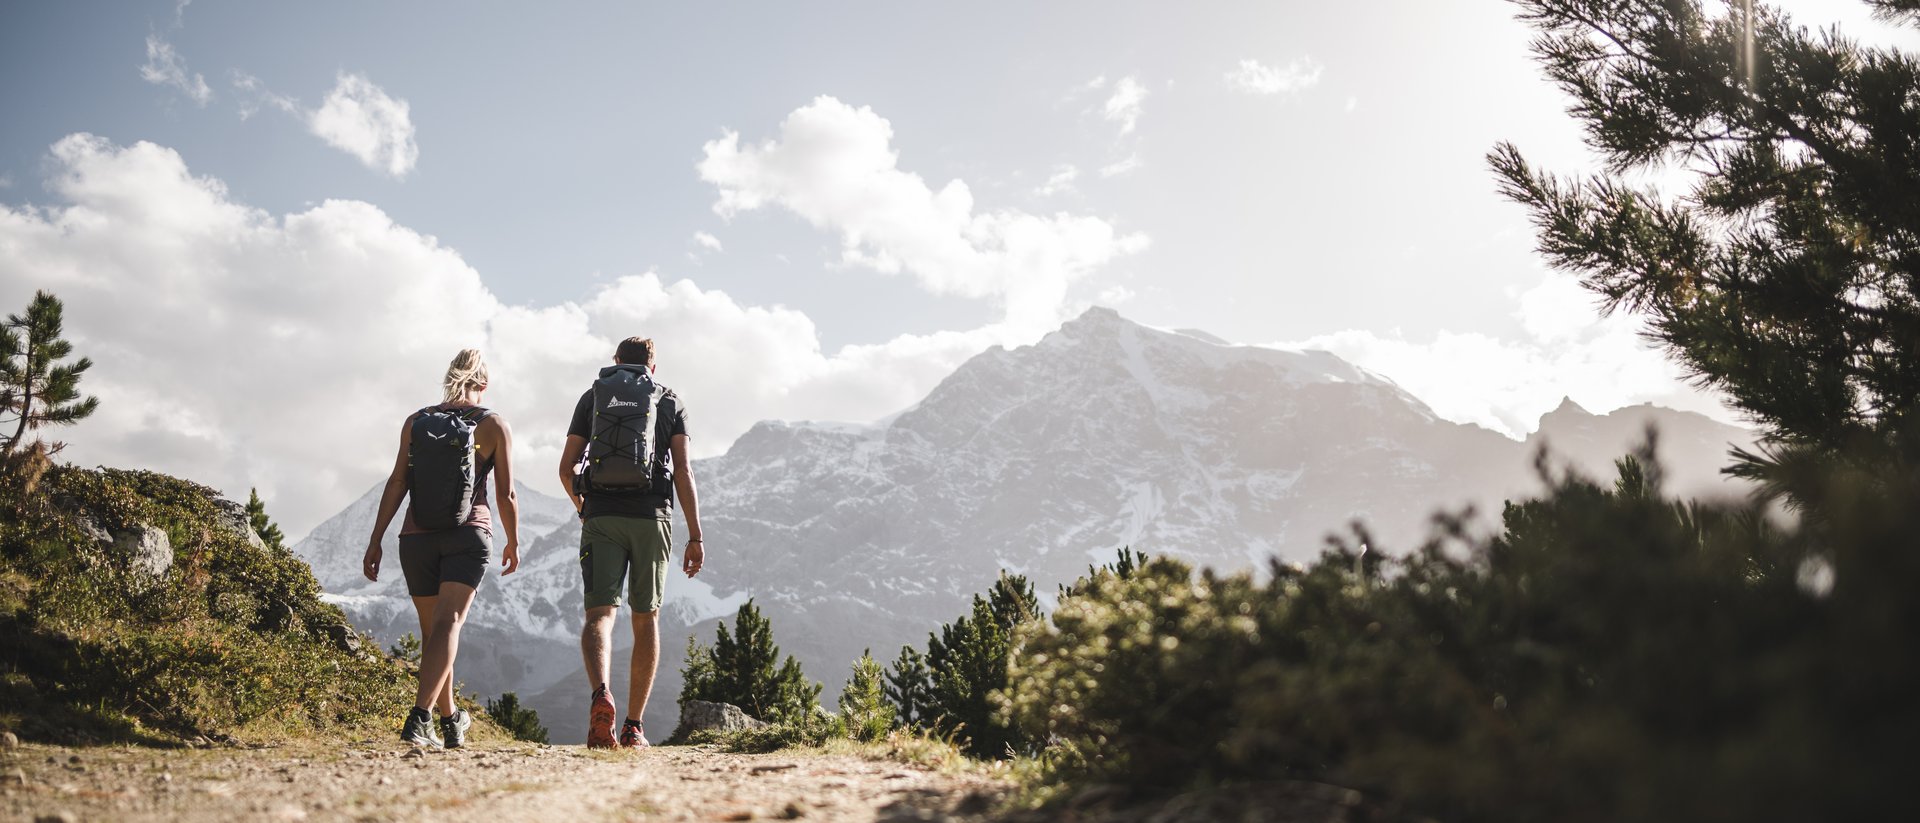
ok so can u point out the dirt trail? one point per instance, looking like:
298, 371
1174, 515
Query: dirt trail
485, 783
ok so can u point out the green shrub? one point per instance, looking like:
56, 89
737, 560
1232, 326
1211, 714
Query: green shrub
909, 688
948, 690
1613, 655
740, 669
520, 721
232, 641
406, 649
808, 730
863, 705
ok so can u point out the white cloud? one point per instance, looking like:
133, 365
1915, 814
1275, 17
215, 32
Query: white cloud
1505, 385
164, 67
361, 119
707, 241
1125, 165
834, 166
243, 348
1124, 105
258, 95
1253, 77
1352, 103
1061, 180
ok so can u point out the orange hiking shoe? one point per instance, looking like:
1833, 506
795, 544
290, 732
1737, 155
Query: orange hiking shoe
600, 721
633, 735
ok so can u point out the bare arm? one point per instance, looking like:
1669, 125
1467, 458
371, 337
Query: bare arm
683, 487
504, 498
569, 458
390, 498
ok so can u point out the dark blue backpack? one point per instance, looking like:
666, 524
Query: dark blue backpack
441, 465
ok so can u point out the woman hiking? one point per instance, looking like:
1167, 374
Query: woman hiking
447, 452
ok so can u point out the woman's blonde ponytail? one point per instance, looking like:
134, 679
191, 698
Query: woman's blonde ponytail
467, 370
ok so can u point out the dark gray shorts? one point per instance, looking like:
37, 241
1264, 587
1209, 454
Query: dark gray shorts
456, 555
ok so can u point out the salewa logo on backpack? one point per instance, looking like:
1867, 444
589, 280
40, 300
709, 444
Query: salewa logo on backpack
617, 402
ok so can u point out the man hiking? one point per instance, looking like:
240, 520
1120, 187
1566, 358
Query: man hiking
447, 452
624, 462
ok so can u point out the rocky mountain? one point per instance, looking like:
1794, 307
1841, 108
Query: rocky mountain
1039, 460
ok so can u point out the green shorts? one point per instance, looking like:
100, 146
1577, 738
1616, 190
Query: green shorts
633, 550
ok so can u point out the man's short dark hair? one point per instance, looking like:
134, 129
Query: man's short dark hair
635, 351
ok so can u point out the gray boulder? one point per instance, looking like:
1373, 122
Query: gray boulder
147, 550
95, 530
699, 715
234, 517
343, 636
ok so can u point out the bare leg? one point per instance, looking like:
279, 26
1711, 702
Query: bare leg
596, 644
424, 607
441, 644
646, 658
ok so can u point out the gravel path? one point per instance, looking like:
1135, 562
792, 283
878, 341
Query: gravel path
485, 783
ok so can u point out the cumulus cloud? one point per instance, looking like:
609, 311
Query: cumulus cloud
244, 348
1568, 350
165, 67
1253, 77
707, 241
361, 119
1124, 105
834, 166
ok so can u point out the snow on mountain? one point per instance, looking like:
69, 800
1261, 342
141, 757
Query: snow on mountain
1038, 460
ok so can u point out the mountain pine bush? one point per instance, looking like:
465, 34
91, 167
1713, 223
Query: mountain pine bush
948, 690
909, 688
1613, 655
743, 667
520, 721
863, 705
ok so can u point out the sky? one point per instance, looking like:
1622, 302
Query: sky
274, 224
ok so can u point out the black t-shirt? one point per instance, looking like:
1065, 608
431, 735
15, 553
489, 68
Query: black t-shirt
669, 419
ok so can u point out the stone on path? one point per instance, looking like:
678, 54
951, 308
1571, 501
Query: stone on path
699, 715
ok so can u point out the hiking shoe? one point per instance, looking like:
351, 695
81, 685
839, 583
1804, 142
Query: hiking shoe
633, 735
454, 728
419, 728
600, 721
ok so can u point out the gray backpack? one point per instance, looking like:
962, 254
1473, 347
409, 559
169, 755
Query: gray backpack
620, 453
441, 465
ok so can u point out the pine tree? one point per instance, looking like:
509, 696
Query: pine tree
863, 704
263, 525
740, 669
33, 388
1786, 275
406, 649
909, 686
1123, 567
967, 663
522, 722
